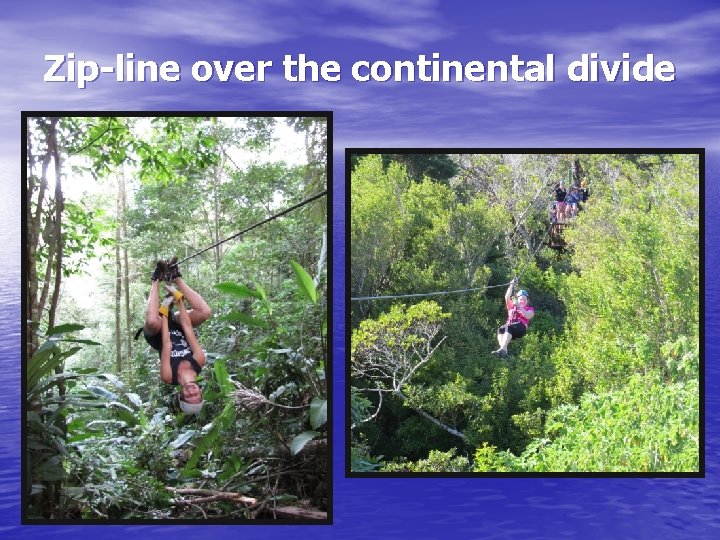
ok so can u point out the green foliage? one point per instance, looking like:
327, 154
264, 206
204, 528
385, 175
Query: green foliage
305, 282
402, 327
111, 447
378, 228
299, 442
488, 459
646, 426
439, 167
318, 412
620, 304
241, 291
436, 462
220, 423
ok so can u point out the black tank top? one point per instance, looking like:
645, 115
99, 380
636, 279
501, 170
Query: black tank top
180, 348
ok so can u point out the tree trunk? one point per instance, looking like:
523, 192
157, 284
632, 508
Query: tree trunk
34, 220
126, 269
125, 265
57, 232
434, 420
217, 210
54, 489
40, 227
118, 278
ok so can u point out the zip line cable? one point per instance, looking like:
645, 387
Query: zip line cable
247, 229
258, 224
437, 293
358, 298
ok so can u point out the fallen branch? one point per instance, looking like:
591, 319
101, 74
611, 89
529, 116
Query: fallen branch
207, 496
203, 496
295, 512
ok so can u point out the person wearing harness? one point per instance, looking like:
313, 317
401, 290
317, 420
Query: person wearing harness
173, 335
519, 315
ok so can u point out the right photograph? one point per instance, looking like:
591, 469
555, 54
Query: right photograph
523, 312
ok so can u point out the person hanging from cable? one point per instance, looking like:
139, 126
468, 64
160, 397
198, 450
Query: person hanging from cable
519, 315
173, 335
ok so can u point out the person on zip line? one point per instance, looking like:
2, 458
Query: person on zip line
519, 315
172, 334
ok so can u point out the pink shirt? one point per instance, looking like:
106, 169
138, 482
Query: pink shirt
514, 315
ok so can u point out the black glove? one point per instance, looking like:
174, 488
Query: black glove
160, 271
174, 271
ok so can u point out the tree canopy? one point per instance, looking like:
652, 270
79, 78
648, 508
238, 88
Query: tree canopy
607, 378
106, 197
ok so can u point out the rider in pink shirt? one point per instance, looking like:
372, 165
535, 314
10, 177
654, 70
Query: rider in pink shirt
519, 315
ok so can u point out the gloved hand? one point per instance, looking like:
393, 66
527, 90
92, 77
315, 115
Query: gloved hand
160, 271
172, 290
165, 305
173, 269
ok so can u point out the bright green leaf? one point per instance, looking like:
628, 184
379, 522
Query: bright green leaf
305, 282
241, 291
65, 328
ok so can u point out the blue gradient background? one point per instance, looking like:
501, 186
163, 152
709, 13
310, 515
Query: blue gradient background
683, 113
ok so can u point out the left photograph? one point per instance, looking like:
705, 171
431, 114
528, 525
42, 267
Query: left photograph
176, 330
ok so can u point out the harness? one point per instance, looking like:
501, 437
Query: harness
180, 349
514, 316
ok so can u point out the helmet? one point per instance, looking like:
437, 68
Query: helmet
190, 408
522, 292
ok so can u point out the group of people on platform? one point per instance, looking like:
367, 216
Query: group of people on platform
567, 202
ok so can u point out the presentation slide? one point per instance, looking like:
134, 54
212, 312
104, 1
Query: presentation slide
359, 269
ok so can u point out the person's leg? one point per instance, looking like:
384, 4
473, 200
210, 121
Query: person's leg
152, 316
503, 337
505, 341
187, 327
165, 369
199, 311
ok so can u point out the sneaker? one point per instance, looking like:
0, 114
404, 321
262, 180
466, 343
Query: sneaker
173, 269
160, 271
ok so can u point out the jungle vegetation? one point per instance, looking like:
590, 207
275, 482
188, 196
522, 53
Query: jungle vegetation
105, 198
607, 379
